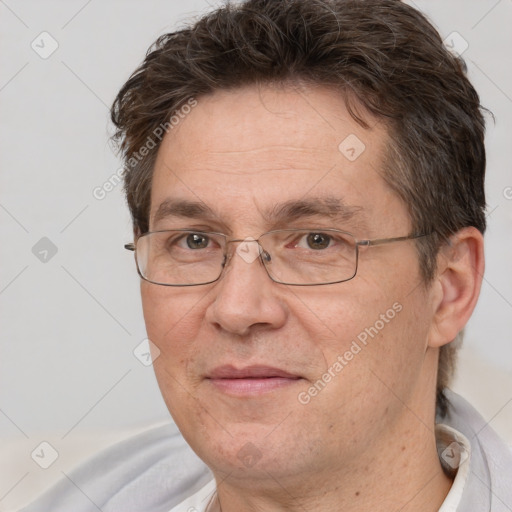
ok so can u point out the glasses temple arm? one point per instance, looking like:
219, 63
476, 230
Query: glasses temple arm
380, 241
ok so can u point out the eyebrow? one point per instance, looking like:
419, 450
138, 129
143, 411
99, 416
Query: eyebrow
330, 207
182, 208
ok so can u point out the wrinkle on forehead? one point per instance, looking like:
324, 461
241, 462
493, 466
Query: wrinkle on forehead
270, 147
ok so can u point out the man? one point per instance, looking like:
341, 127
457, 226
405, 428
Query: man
306, 182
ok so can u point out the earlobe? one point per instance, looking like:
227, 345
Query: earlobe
457, 285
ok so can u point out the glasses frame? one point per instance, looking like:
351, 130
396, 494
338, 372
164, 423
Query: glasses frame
358, 243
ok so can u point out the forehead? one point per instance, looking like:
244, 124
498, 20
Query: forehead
244, 153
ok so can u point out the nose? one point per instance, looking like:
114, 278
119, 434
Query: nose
245, 296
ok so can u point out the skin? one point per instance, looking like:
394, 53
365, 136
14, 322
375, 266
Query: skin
366, 440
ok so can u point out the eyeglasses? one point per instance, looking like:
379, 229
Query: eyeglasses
296, 257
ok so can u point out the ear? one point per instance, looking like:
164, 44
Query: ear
456, 287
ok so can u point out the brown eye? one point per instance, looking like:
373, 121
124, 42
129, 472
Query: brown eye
197, 241
318, 240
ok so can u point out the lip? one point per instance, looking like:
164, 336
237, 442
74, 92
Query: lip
250, 380
249, 372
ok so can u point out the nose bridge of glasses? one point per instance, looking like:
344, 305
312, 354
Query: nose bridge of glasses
247, 250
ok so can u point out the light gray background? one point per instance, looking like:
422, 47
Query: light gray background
69, 326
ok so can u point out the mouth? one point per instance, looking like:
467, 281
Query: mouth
251, 380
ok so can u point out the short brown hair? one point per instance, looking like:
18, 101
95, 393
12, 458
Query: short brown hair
382, 53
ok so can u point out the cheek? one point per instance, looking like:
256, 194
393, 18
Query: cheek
374, 330
173, 318
336, 317
373, 353
166, 308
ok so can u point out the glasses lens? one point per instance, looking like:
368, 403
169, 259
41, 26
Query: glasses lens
295, 257
180, 257
308, 257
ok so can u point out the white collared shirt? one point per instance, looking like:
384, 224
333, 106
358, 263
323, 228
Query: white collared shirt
443, 434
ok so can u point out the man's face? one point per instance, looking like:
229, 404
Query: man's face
243, 154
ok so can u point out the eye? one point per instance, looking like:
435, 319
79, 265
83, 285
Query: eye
196, 241
315, 241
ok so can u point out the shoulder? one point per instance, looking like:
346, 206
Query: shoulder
489, 484
151, 471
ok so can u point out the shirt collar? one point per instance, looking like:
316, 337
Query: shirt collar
454, 451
